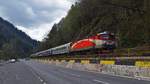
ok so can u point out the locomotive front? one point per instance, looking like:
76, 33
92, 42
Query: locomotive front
106, 40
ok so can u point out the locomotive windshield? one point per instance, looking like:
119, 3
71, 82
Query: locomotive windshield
107, 37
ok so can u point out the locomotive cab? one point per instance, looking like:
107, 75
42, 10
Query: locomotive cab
107, 40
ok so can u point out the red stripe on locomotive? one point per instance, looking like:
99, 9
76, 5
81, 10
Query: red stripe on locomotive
86, 43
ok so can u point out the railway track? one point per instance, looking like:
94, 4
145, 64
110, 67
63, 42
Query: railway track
135, 57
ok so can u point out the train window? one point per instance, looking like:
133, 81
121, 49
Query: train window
105, 36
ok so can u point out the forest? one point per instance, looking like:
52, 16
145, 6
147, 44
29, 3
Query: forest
128, 19
13, 42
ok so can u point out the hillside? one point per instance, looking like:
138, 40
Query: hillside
13, 42
128, 19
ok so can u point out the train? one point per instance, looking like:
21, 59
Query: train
93, 44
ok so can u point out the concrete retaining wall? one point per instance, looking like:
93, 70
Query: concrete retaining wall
121, 70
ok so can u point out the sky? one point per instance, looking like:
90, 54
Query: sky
34, 17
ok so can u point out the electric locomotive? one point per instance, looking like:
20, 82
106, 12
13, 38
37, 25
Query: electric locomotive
105, 41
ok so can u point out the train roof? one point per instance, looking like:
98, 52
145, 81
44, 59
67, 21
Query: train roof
64, 45
106, 32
